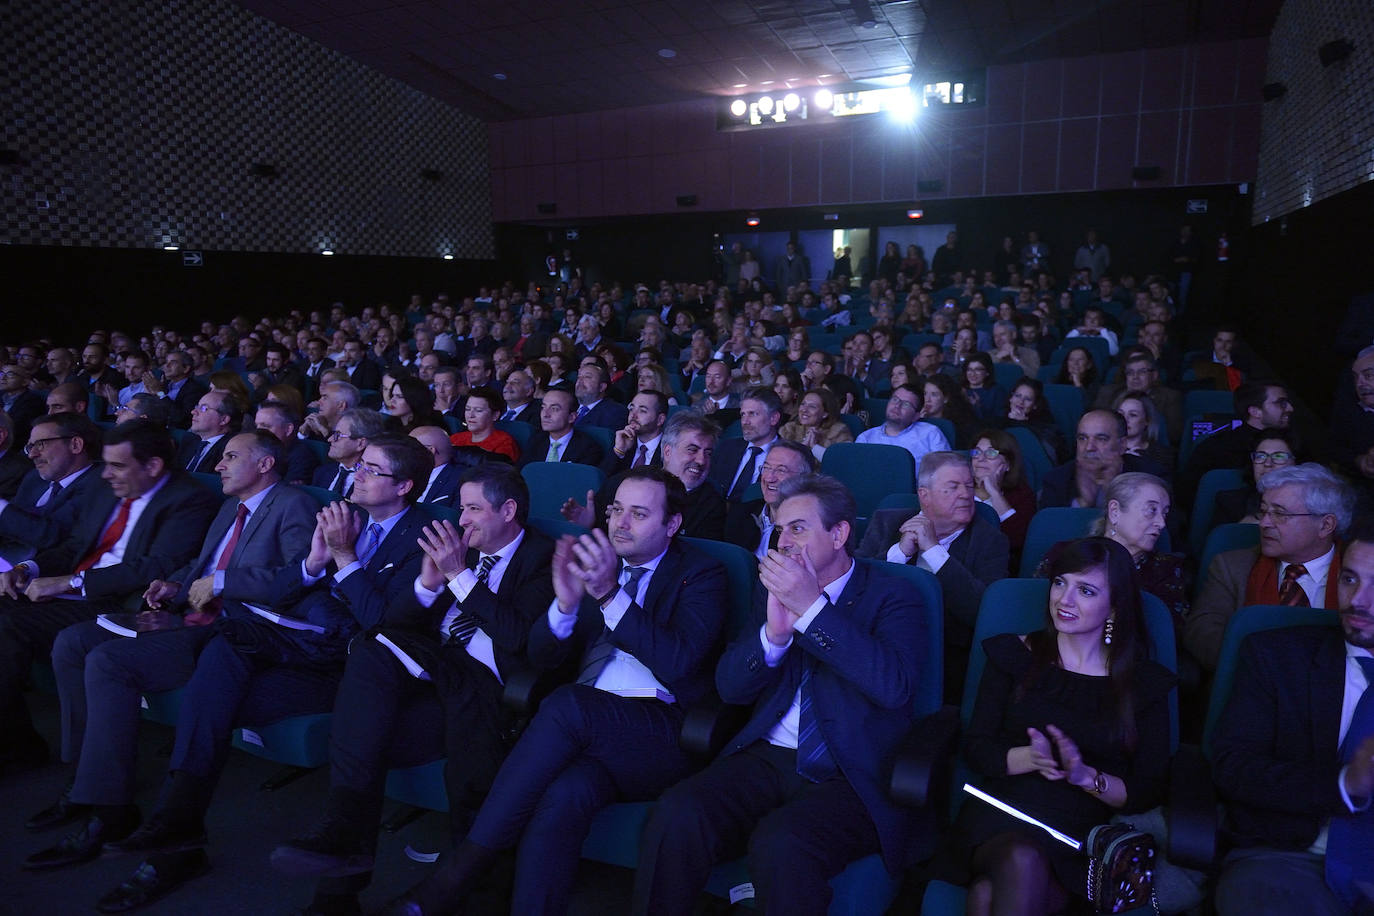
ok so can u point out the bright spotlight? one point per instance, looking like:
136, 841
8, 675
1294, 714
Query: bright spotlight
825, 99
791, 101
448, 257
327, 252
766, 104
752, 221
738, 108
903, 107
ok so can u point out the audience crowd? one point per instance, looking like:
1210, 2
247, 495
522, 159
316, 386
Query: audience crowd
506, 531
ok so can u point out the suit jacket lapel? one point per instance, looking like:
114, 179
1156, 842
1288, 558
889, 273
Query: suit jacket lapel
399, 534
658, 582
1326, 688
256, 519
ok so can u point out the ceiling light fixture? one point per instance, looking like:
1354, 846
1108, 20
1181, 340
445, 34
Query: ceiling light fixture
738, 108
824, 99
498, 76
765, 104
791, 101
752, 221
327, 252
667, 53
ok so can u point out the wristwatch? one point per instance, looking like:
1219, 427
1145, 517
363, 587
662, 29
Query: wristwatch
77, 582
1100, 783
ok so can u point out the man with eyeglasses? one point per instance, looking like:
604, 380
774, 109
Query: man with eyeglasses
1303, 510
1260, 406
143, 406
1140, 375
948, 538
902, 427
216, 415
751, 524
353, 431
17, 400
362, 559
50, 498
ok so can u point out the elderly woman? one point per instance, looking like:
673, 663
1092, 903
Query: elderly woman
1071, 725
998, 481
818, 425
1137, 509
1142, 428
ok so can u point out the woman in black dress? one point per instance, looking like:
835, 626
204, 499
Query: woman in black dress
1071, 725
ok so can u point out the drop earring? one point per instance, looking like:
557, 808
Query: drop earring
1107, 632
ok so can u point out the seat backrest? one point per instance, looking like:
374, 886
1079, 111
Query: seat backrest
552, 482
944, 426
519, 430
211, 481
603, 436
929, 691
440, 512
319, 447
1243, 622
1067, 403
1204, 503
1200, 400
555, 528
1231, 536
855, 424
1007, 374
742, 572
870, 471
322, 495
877, 410
1050, 526
1035, 461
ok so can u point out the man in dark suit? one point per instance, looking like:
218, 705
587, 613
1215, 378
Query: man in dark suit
14, 464
22, 404
518, 391
1260, 406
717, 401
1100, 457
101, 676
1140, 375
640, 616
147, 524
831, 674
557, 440
363, 373
594, 408
65, 449
481, 588
353, 431
948, 538
751, 523
442, 487
255, 670
176, 386
314, 364
638, 442
737, 462
1293, 760
96, 372
1303, 509
280, 370
299, 461
216, 416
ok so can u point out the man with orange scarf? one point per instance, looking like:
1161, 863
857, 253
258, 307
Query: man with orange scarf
1303, 509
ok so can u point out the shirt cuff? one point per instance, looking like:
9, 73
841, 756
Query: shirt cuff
895, 555
463, 584
424, 595
816, 607
561, 624
1345, 796
936, 557
772, 655
4, 504
347, 571
306, 578
616, 608
1006, 515
219, 582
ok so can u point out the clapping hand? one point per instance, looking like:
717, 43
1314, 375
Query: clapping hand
583, 514
1042, 755
1071, 762
791, 578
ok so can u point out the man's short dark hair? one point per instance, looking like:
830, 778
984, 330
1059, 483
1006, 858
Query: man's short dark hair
231, 407
660, 400
765, 396
147, 439
1361, 530
1251, 394
283, 409
409, 460
151, 406
367, 423
834, 499
796, 448
500, 482
675, 494
266, 445
562, 390
281, 351
76, 425
448, 370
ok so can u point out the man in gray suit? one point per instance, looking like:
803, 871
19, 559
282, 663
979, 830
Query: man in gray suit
948, 538
263, 527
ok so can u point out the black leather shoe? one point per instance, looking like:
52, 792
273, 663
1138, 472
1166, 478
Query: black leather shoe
85, 843
160, 835
323, 854
155, 878
62, 811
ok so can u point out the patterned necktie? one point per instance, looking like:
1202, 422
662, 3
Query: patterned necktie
1350, 837
49, 495
814, 761
554, 449
601, 651
581, 412
1290, 592
465, 625
370, 541
109, 538
509, 414
746, 474
640, 457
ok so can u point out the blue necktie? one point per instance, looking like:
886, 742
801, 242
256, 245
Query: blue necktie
600, 652
582, 412
369, 542
814, 761
1350, 837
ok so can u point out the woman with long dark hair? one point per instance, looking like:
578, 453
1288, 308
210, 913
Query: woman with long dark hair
1071, 725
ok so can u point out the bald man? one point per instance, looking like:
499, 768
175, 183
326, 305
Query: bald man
442, 488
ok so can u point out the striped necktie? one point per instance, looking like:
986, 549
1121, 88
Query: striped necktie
465, 625
814, 761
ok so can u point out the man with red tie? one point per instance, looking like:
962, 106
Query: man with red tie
143, 526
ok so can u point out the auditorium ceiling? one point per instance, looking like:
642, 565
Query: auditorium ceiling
506, 59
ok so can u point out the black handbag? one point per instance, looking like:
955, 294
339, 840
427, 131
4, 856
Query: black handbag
1121, 868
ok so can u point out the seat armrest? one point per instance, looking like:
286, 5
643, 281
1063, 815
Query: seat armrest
526, 688
1192, 810
921, 768
709, 724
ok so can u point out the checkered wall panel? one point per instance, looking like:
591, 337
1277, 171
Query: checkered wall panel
138, 122
1317, 140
